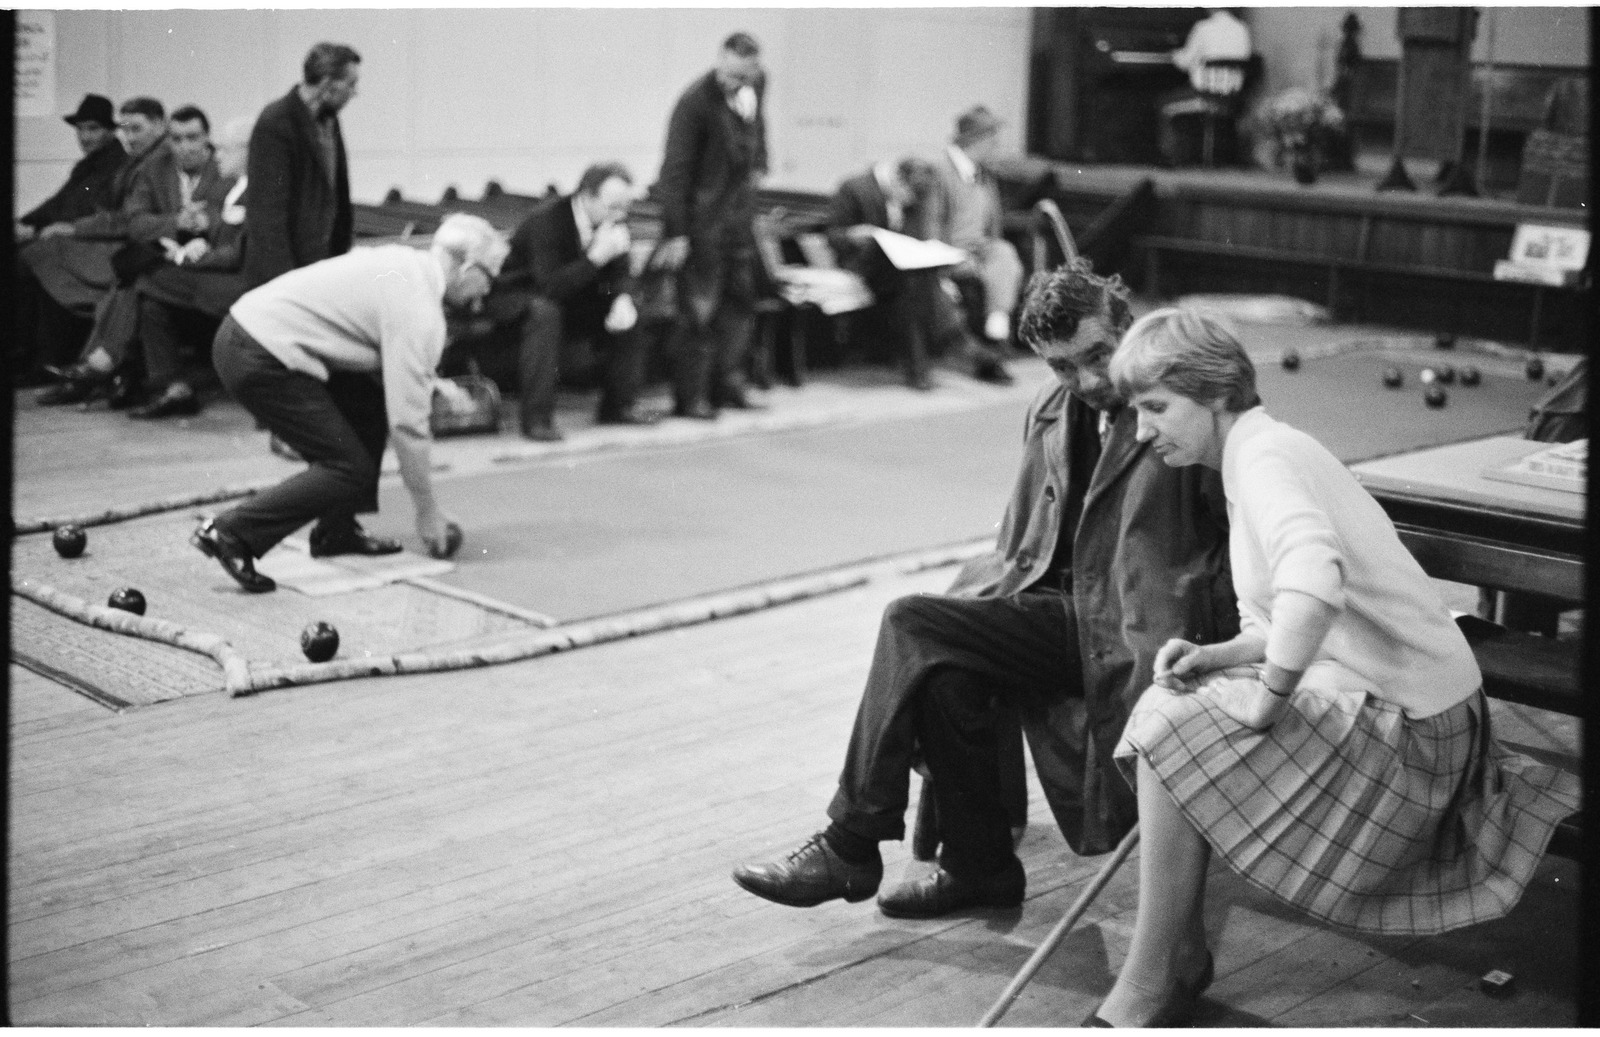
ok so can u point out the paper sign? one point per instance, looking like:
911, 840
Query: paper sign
908, 253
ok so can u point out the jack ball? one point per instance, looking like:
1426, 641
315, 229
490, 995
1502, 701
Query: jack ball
1427, 376
319, 641
127, 599
1471, 376
1291, 360
1535, 368
1447, 375
69, 540
1435, 397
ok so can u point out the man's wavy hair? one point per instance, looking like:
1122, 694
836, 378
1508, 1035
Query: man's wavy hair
1056, 301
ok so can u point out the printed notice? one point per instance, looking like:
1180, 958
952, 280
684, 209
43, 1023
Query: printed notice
1563, 466
34, 85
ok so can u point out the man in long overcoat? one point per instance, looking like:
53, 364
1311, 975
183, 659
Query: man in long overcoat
1104, 553
716, 151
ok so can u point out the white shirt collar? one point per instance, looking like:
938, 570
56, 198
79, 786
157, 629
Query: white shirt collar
964, 164
235, 191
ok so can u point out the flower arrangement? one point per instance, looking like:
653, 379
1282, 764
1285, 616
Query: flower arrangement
1298, 121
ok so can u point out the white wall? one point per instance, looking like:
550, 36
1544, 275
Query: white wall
530, 97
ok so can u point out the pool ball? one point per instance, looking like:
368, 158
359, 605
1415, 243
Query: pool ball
1291, 360
319, 641
1470, 376
1535, 368
1393, 378
1435, 397
69, 540
1446, 375
127, 599
1445, 340
1427, 376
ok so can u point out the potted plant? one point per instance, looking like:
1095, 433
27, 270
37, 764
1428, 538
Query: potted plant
1300, 124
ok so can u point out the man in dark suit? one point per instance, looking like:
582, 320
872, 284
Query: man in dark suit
1104, 553
716, 151
300, 206
913, 311
566, 289
91, 184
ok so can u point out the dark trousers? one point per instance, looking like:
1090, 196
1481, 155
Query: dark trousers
717, 317
163, 334
947, 676
43, 331
339, 427
528, 340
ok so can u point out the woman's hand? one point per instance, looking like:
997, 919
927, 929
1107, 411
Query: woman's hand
1179, 664
441, 533
1242, 695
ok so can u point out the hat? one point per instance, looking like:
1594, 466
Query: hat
976, 122
93, 108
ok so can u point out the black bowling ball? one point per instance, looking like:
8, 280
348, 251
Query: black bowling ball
1535, 368
1470, 376
1435, 397
1291, 360
1446, 374
319, 641
1393, 378
127, 599
69, 540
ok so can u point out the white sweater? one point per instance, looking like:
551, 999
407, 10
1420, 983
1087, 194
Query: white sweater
1300, 521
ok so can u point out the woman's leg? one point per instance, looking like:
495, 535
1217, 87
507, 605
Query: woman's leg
1169, 942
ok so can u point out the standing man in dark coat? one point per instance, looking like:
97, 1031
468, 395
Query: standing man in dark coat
1103, 554
716, 152
92, 183
300, 186
566, 283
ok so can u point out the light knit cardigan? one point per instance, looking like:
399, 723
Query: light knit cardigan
1300, 521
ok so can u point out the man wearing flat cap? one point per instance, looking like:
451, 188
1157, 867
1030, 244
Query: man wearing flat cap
965, 212
91, 184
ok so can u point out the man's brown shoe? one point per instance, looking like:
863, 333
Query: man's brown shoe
811, 875
941, 893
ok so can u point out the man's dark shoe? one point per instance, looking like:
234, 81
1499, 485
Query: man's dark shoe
811, 875
234, 556
70, 391
125, 391
739, 401
628, 416
919, 382
941, 893
541, 432
993, 372
350, 540
177, 401
700, 411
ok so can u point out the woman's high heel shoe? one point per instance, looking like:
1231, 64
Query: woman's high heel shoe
1177, 1009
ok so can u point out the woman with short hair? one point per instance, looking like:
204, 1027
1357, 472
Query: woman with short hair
1337, 752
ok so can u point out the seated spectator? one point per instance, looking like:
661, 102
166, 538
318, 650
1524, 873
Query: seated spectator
1217, 37
112, 346
966, 213
90, 185
1338, 751
565, 292
338, 359
87, 259
916, 314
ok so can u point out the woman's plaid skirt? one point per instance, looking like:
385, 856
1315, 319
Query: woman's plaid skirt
1353, 812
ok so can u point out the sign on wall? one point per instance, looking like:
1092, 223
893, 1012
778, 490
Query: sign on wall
34, 90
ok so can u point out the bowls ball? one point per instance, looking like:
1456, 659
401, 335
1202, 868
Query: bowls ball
1471, 376
1535, 368
1393, 378
1445, 340
1290, 360
1435, 397
127, 599
69, 540
1446, 374
319, 641
453, 536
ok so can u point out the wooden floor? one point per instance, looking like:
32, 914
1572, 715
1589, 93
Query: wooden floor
548, 843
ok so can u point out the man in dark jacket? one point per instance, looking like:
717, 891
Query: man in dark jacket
91, 183
1104, 553
565, 287
300, 186
915, 314
716, 151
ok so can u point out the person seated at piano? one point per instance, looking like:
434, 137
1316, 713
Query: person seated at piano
1218, 37
913, 311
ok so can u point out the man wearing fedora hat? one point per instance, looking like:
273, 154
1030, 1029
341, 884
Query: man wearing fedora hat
91, 183
966, 213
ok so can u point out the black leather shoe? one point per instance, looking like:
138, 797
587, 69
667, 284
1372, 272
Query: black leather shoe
1178, 1009
177, 401
993, 372
739, 401
919, 382
940, 893
628, 416
699, 411
234, 556
124, 392
73, 390
542, 432
811, 875
350, 540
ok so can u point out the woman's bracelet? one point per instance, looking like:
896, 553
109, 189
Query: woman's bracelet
1274, 691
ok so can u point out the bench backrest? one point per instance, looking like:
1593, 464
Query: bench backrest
1484, 563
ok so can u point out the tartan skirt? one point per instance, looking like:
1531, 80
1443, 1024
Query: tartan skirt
1353, 812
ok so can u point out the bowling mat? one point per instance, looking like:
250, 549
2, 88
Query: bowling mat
291, 564
182, 586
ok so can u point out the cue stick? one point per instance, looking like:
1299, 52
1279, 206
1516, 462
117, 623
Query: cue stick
1075, 912
1488, 100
